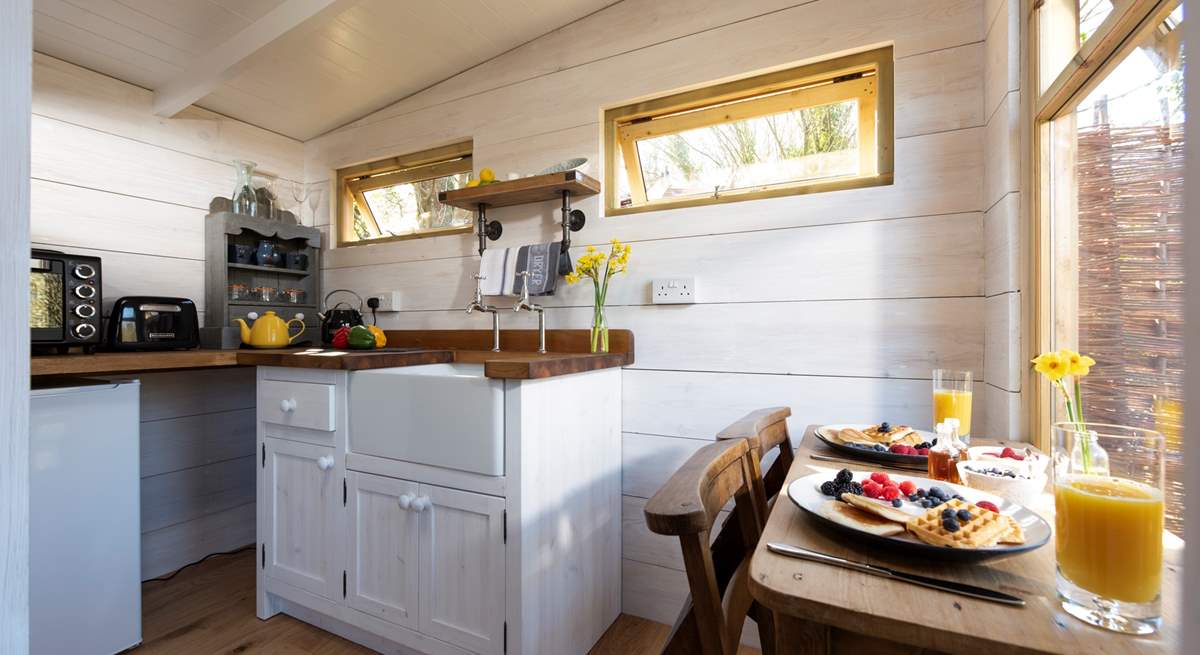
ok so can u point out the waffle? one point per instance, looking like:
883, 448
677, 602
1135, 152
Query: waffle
1014, 534
983, 530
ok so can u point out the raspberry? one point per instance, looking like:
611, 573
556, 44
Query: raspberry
988, 506
923, 451
891, 493
1019, 457
908, 487
897, 448
1008, 452
880, 477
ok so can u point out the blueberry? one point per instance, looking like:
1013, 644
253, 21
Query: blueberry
963, 515
950, 524
827, 487
947, 513
885, 427
843, 476
926, 504
896, 502
938, 492
921, 493
880, 448
913, 498
934, 502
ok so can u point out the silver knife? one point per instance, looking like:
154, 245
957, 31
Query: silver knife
884, 572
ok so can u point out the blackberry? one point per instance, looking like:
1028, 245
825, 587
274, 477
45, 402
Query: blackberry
896, 502
827, 487
856, 488
950, 524
964, 515
843, 476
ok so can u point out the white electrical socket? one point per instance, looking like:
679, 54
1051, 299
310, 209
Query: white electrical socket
389, 301
673, 290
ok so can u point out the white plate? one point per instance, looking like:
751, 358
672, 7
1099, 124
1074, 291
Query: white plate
805, 492
825, 433
564, 166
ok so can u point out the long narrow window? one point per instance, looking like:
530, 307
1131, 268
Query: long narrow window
397, 198
1109, 131
817, 127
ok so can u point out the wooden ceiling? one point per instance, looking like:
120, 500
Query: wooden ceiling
296, 67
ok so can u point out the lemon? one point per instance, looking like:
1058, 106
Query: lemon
487, 175
473, 183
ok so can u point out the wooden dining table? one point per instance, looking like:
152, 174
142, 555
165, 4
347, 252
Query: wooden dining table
824, 609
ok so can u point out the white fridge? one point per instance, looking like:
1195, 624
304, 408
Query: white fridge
85, 593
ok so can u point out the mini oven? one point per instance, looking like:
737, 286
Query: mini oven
64, 301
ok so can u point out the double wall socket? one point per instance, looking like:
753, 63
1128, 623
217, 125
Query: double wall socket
673, 290
389, 301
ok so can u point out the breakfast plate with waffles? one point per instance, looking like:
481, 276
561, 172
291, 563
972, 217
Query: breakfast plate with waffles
880, 442
918, 516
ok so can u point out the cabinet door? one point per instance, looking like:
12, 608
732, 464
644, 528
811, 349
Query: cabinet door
384, 548
303, 496
462, 568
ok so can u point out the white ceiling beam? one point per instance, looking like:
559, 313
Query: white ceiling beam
222, 62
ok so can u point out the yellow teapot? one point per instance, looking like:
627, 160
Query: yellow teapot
268, 331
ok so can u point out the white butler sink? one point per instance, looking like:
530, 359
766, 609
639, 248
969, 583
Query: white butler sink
446, 415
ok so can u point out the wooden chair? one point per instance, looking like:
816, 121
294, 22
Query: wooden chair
687, 506
766, 430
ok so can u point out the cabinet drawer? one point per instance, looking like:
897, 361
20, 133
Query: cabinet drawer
297, 404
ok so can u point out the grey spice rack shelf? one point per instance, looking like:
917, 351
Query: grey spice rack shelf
224, 227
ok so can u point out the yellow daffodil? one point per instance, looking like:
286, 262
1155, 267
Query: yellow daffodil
1051, 364
1077, 365
572, 278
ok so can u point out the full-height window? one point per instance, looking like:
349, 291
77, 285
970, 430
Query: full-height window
397, 198
1109, 132
817, 127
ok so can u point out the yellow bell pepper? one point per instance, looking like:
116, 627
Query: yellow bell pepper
380, 337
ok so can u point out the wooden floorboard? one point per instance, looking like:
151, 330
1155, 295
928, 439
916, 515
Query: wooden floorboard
209, 608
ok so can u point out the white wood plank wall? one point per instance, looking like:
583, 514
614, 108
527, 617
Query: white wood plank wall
837, 304
15, 31
113, 180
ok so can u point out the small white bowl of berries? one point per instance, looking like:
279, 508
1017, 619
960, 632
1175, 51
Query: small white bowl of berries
1026, 459
1007, 479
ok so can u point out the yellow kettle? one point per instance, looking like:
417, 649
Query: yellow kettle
268, 331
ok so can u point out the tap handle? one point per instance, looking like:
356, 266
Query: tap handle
479, 277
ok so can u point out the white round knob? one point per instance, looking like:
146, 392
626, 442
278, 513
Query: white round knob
252, 316
422, 503
287, 405
406, 501
325, 462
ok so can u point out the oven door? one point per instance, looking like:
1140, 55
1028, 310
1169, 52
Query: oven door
47, 301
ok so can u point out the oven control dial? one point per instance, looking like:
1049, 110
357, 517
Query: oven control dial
84, 330
85, 311
85, 271
85, 291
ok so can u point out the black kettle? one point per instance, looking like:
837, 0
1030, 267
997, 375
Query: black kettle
340, 315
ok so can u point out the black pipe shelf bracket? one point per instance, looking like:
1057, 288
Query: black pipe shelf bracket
486, 230
573, 220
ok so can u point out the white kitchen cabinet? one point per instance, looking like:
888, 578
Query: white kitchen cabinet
396, 544
462, 568
384, 566
303, 497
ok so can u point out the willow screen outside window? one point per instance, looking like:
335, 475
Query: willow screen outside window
818, 127
397, 198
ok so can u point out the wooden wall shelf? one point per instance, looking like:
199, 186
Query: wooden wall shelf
525, 190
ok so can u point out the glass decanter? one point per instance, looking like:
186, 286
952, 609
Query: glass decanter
244, 199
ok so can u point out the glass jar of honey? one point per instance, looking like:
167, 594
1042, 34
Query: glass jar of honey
945, 455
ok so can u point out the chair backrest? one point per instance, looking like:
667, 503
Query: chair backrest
766, 430
687, 506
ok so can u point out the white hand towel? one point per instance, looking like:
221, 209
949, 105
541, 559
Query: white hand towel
497, 268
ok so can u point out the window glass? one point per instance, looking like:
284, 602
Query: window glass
1117, 221
803, 144
413, 207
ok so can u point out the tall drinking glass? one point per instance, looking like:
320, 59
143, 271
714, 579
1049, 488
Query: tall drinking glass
1108, 505
952, 399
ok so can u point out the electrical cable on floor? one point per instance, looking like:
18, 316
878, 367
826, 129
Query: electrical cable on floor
172, 574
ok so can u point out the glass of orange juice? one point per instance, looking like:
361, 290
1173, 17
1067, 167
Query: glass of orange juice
1108, 504
952, 399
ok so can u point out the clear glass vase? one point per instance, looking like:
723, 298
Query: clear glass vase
244, 199
599, 330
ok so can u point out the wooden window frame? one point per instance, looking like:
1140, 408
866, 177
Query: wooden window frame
807, 85
354, 181
1084, 69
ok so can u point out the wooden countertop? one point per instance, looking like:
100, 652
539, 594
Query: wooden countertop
414, 347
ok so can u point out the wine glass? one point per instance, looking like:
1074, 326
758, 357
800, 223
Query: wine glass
300, 192
314, 199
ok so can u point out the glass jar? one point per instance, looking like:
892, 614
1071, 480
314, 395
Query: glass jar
263, 294
245, 199
294, 296
238, 292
